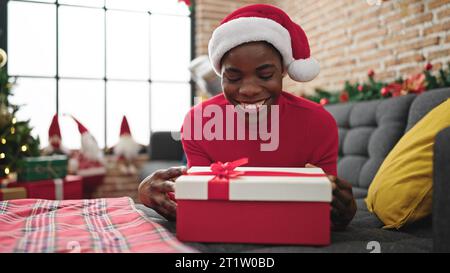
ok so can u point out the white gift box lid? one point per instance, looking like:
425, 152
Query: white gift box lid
259, 188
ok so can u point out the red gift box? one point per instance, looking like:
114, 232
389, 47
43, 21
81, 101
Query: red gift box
225, 204
71, 187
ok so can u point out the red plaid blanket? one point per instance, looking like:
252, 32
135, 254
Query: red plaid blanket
90, 225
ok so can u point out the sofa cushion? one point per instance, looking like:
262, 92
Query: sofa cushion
401, 192
341, 114
367, 132
424, 103
359, 192
165, 145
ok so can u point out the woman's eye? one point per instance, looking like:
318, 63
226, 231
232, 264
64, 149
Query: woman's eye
266, 77
233, 79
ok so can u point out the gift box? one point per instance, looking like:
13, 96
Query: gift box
13, 193
71, 187
42, 168
229, 204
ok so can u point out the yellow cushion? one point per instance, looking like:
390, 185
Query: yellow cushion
401, 191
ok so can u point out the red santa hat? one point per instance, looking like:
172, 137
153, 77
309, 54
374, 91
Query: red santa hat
124, 127
54, 128
267, 23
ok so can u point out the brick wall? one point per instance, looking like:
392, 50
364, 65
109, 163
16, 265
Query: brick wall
209, 13
348, 37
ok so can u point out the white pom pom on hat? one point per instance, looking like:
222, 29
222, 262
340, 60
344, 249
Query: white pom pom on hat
261, 22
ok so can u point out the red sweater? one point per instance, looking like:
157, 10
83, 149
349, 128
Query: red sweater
307, 134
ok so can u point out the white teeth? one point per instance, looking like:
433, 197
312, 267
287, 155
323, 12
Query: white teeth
253, 106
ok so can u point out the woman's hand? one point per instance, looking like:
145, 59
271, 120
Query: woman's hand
154, 191
343, 204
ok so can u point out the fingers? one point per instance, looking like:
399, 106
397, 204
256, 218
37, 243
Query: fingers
342, 190
338, 204
162, 186
169, 205
169, 215
309, 165
155, 188
342, 184
335, 215
164, 206
170, 173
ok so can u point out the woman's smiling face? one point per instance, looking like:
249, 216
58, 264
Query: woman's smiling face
252, 75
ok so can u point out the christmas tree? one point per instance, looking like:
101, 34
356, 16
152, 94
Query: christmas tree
16, 141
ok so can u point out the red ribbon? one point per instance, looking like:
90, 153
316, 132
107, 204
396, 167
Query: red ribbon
218, 186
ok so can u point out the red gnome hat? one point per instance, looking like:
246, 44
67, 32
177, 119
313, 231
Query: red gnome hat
124, 127
54, 128
54, 139
261, 22
81, 127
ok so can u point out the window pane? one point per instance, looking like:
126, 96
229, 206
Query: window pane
127, 45
170, 47
81, 42
141, 5
46, 1
168, 7
88, 3
84, 99
170, 102
130, 99
38, 97
31, 39
157, 6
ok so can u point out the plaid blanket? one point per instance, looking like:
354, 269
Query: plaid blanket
90, 225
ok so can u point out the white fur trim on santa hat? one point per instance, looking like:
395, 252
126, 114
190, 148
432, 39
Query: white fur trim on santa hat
253, 29
248, 29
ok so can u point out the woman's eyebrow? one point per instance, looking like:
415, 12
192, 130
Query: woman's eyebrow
232, 70
265, 66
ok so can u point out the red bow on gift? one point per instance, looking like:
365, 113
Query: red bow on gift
224, 171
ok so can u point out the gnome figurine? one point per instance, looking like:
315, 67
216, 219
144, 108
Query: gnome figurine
126, 150
54, 140
89, 146
89, 160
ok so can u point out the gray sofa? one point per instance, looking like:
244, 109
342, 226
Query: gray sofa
367, 132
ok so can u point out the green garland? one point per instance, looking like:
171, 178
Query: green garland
373, 90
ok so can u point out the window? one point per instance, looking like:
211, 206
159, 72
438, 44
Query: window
99, 60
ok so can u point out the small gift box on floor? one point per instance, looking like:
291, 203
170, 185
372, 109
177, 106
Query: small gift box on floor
71, 187
230, 204
42, 168
13, 193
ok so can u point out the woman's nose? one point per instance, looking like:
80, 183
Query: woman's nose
249, 89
